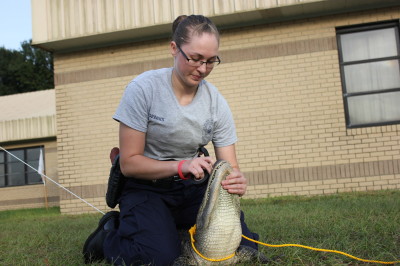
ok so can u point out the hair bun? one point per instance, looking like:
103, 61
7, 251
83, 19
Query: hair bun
176, 22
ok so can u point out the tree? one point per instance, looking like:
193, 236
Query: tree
29, 69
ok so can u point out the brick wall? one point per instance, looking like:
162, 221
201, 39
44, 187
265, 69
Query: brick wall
283, 84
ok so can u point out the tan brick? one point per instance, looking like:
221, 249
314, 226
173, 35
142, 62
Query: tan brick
380, 182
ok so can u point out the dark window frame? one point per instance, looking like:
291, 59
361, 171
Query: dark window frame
356, 29
27, 169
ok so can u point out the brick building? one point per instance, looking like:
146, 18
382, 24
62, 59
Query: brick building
313, 85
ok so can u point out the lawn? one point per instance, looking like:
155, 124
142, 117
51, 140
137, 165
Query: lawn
365, 225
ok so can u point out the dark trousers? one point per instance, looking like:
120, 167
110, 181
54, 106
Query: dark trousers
150, 217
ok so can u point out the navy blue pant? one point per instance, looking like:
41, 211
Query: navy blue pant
150, 218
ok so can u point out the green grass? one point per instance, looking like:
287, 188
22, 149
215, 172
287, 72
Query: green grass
365, 225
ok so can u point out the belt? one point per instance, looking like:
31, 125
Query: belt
161, 183
167, 182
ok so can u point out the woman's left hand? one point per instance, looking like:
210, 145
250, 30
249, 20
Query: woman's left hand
235, 183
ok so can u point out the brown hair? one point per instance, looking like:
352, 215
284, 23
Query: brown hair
185, 26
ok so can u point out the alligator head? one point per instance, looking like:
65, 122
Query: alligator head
218, 229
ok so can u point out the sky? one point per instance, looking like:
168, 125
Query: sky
15, 23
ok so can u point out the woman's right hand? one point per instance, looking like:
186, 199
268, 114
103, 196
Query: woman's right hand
197, 166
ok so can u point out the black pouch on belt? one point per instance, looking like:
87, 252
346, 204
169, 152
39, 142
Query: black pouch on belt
116, 182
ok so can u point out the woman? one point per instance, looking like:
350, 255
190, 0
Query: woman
165, 116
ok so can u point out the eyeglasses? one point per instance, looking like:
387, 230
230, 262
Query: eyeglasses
197, 63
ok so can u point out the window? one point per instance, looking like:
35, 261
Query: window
15, 173
369, 65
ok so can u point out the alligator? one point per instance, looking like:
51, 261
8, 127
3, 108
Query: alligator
217, 234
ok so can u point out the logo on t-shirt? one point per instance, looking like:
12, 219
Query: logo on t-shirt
155, 117
208, 129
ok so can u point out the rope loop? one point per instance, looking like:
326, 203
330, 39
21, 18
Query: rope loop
192, 232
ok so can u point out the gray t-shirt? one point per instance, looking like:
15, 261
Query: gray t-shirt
173, 131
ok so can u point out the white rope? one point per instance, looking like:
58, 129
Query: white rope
48, 178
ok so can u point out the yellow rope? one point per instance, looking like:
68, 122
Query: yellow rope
320, 249
192, 232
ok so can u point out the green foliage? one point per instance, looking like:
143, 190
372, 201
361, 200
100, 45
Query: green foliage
365, 225
29, 69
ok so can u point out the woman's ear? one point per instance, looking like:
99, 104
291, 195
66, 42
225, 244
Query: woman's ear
173, 48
